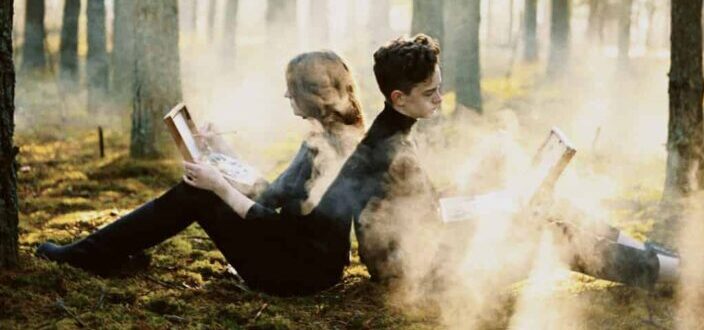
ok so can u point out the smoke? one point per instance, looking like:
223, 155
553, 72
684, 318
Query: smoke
508, 269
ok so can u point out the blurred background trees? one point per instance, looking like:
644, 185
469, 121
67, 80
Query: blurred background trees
122, 64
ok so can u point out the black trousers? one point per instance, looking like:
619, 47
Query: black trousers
271, 255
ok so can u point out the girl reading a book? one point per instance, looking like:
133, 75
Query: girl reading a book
269, 240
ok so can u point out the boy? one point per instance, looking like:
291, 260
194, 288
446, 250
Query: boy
393, 205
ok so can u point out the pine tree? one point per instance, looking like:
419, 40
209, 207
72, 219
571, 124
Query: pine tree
685, 137
97, 66
465, 47
69, 42
157, 85
8, 166
33, 57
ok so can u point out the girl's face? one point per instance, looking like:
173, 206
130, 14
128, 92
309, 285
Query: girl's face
296, 110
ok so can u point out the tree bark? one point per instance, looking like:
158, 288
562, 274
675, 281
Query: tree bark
530, 27
97, 64
8, 166
428, 18
157, 85
69, 42
624, 32
685, 136
465, 47
559, 37
123, 51
33, 57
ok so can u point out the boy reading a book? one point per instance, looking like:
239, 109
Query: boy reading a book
394, 195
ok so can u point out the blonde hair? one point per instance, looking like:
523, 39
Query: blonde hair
322, 86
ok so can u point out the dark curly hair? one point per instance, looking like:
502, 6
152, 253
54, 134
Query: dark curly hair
405, 62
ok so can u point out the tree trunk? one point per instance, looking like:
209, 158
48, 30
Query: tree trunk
281, 22
594, 20
157, 86
624, 32
465, 22
97, 64
212, 9
123, 51
530, 28
33, 57
428, 19
685, 137
188, 10
378, 24
650, 7
228, 46
69, 42
448, 48
8, 167
319, 17
559, 37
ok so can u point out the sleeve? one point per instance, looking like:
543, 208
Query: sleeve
282, 188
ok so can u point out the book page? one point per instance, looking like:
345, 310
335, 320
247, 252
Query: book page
548, 164
467, 208
234, 169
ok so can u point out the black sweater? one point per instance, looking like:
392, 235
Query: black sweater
382, 160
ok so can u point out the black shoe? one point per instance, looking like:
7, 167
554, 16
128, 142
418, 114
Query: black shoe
107, 267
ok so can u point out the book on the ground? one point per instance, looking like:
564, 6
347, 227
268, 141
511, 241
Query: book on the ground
548, 164
184, 131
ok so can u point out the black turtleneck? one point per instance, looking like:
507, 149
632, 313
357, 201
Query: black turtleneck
364, 177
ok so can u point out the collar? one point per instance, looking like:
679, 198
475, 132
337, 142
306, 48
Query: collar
395, 120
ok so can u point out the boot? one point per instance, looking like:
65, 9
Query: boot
122, 266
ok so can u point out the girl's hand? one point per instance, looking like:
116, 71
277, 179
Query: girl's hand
204, 176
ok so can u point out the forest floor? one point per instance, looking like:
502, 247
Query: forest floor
67, 191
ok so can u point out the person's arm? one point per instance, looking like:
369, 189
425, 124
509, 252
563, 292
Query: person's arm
207, 177
290, 181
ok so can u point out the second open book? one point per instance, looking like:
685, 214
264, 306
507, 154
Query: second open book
549, 162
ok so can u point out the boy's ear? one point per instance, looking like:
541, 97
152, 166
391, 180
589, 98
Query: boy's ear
398, 98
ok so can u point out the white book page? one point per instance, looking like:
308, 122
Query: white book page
468, 208
234, 169
503, 202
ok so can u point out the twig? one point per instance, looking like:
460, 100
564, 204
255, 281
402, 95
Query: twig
99, 305
62, 306
160, 282
175, 318
259, 313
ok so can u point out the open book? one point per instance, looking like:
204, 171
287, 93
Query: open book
184, 131
548, 164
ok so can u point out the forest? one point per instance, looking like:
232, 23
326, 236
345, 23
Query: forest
614, 242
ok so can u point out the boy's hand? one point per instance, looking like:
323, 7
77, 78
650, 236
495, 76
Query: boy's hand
204, 176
